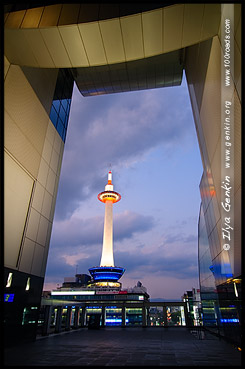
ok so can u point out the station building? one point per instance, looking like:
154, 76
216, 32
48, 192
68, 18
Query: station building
110, 48
79, 305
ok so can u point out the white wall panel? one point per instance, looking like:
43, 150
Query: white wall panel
152, 32
47, 203
24, 107
211, 20
56, 48
112, 39
37, 260
132, 36
6, 66
43, 172
50, 133
193, 19
51, 181
17, 193
54, 161
42, 231
210, 112
74, 45
33, 223
27, 255
39, 48
47, 151
172, 27
58, 143
19, 146
92, 40
38, 196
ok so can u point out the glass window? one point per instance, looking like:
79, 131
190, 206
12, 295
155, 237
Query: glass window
155, 316
64, 103
64, 135
66, 121
59, 113
134, 316
175, 316
60, 127
53, 116
62, 114
56, 104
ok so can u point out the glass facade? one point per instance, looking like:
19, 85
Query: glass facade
175, 316
133, 316
208, 290
113, 316
155, 316
221, 302
60, 109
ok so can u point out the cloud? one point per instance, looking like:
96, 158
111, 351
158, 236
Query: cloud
75, 231
116, 129
181, 264
172, 238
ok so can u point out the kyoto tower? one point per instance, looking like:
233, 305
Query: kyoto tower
107, 271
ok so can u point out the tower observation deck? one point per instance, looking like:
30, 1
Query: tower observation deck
107, 271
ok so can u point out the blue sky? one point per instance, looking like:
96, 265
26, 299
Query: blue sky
148, 137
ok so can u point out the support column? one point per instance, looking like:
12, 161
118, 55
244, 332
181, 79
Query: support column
58, 319
123, 316
68, 319
148, 322
83, 317
47, 320
103, 316
187, 320
144, 316
76, 317
165, 316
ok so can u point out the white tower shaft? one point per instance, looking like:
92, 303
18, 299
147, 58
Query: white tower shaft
107, 258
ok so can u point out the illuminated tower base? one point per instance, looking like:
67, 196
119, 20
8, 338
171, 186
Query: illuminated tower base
107, 272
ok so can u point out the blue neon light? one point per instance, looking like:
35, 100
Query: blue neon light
8, 297
234, 320
115, 320
106, 273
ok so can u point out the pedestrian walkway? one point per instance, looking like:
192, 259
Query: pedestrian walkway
116, 346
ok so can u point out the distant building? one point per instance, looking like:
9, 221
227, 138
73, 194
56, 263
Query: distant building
193, 300
71, 291
96, 295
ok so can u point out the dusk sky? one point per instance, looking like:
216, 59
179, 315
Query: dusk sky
149, 139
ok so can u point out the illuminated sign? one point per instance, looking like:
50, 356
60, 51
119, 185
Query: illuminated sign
8, 297
115, 320
69, 293
107, 292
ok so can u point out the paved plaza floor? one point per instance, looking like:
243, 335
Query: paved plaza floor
116, 346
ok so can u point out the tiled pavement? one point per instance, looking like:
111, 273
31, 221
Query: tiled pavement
117, 346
